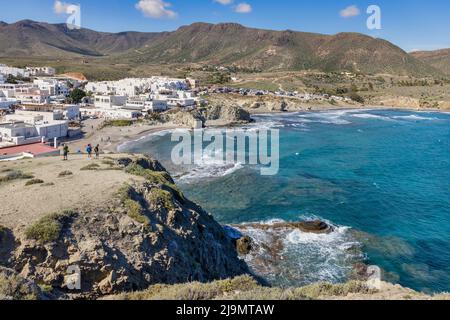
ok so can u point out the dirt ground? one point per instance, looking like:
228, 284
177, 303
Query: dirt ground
22, 205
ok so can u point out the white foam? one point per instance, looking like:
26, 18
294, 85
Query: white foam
306, 257
414, 117
371, 116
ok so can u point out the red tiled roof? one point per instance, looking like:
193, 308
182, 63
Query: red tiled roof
35, 149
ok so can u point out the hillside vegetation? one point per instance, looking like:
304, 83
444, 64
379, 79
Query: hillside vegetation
226, 44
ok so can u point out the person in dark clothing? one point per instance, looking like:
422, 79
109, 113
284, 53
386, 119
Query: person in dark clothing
97, 151
65, 152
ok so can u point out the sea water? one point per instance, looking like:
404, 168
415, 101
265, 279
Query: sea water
381, 177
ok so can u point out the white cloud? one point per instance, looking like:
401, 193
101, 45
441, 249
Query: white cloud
243, 8
351, 11
61, 7
224, 2
156, 9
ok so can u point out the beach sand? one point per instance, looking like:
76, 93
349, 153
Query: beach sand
109, 138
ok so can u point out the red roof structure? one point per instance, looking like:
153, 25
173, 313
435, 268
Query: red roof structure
36, 149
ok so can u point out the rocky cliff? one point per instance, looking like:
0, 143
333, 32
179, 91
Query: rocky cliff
135, 228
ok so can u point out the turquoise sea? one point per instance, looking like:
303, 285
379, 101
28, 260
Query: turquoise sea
382, 177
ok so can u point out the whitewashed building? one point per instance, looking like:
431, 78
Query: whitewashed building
109, 101
18, 133
15, 72
53, 86
41, 71
147, 105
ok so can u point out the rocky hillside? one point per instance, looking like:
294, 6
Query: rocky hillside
226, 44
234, 44
28, 38
121, 221
439, 59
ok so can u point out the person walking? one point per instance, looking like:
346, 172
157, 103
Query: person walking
89, 151
97, 151
65, 152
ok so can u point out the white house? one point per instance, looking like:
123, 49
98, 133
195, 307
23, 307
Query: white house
47, 124
11, 71
111, 113
38, 97
18, 133
6, 103
53, 86
147, 105
109, 101
41, 71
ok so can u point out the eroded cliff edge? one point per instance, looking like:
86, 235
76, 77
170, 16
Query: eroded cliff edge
122, 221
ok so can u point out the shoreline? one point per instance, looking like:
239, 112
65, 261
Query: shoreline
111, 139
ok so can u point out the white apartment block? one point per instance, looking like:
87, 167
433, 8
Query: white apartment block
41, 71
18, 133
53, 86
38, 97
147, 105
131, 87
11, 71
128, 114
29, 127
6, 103
109, 101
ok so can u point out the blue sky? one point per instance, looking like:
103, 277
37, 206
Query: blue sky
411, 24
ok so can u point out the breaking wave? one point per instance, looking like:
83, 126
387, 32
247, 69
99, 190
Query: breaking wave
290, 257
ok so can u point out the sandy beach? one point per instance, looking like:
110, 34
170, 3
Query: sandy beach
109, 138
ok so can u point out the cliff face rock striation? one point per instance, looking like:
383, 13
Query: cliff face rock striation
146, 233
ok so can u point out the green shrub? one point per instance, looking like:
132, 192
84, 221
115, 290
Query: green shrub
49, 228
91, 167
356, 97
135, 211
194, 290
16, 288
48, 184
33, 182
134, 208
118, 123
244, 288
163, 198
15, 175
160, 178
322, 289
65, 174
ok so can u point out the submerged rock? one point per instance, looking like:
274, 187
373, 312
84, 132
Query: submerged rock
315, 226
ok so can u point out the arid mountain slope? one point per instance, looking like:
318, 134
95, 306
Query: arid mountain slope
225, 44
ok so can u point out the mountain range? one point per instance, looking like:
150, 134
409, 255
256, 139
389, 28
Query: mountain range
225, 44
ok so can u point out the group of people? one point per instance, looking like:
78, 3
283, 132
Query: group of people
89, 150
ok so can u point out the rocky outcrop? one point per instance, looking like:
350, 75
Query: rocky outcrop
150, 233
312, 226
232, 114
190, 119
244, 245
